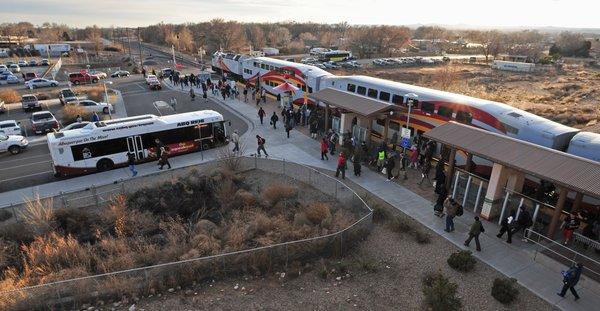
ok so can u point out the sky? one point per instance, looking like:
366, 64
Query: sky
505, 13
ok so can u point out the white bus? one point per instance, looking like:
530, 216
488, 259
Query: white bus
104, 145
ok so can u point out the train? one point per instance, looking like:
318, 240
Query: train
431, 108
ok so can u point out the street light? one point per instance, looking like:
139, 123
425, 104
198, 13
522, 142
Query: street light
410, 99
106, 96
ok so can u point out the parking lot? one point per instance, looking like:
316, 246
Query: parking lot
38, 69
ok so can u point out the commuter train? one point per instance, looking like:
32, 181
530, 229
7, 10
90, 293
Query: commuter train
432, 107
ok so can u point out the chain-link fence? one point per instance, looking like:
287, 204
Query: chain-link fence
146, 280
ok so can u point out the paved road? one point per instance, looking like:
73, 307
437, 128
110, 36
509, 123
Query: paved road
33, 166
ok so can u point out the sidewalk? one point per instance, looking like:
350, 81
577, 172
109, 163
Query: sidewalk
516, 260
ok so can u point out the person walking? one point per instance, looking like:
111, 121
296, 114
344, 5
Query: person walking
78, 119
192, 94
523, 222
95, 117
505, 225
380, 159
442, 192
324, 149
570, 279
389, 166
450, 207
131, 162
235, 138
164, 158
288, 129
246, 94
414, 157
474, 232
261, 146
341, 166
263, 95
159, 147
356, 164
425, 171
261, 114
274, 119
570, 224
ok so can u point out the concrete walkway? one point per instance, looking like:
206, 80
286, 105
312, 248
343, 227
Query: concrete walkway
541, 276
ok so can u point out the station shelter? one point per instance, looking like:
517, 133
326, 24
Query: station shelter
516, 164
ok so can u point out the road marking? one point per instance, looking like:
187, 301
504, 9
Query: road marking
26, 176
140, 86
28, 164
21, 159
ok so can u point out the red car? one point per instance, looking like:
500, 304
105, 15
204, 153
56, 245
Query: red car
83, 78
30, 76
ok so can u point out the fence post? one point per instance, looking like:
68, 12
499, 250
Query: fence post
283, 167
12, 208
286, 256
63, 200
123, 188
336, 191
455, 184
341, 244
467, 188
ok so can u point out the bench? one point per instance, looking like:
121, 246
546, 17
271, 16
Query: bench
586, 241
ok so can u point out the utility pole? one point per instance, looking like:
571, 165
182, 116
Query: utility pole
128, 42
140, 45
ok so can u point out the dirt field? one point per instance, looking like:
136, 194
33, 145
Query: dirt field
569, 96
393, 282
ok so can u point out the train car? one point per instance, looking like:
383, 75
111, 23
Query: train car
269, 73
435, 107
228, 64
585, 145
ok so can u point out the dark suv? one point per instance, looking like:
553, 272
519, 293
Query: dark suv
66, 96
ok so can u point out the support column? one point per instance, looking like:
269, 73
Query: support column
326, 117
450, 172
369, 130
345, 125
560, 204
469, 165
493, 196
577, 202
386, 128
515, 181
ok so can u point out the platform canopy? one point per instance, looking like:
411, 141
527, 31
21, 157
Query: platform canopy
562, 169
361, 105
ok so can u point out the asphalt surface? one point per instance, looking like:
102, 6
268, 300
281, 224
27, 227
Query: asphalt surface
33, 166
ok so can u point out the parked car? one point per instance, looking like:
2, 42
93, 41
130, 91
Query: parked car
10, 127
82, 78
76, 125
3, 68
99, 74
166, 72
44, 62
151, 79
379, 62
93, 106
12, 79
120, 73
14, 68
30, 76
41, 82
32, 63
22, 63
8, 63
30, 101
66, 96
351, 64
309, 60
320, 65
12, 143
2, 106
43, 121
331, 65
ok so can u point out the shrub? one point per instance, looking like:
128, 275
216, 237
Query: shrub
70, 113
505, 290
317, 212
422, 237
112, 48
42, 96
10, 96
400, 225
462, 261
380, 213
5, 215
366, 264
38, 216
275, 193
440, 293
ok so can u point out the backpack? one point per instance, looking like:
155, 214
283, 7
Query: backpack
262, 141
460, 211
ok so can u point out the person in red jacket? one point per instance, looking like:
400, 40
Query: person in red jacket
324, 149
341, 167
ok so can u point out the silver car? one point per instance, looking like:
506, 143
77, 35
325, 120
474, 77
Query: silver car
41, 82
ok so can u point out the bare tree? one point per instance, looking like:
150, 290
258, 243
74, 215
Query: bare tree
328, 38
256, 37
279, 37
226, 35
186, 40
94, 35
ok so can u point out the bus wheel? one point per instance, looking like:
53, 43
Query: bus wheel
105, 165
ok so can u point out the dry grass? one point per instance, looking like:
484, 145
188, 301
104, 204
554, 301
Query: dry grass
93, 92
10, 96
274, 193
38, 216
317, 212
70, 113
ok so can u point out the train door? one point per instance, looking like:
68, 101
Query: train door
135, 146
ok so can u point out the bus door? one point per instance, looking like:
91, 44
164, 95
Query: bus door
135, 146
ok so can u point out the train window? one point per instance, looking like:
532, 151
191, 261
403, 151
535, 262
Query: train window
303, 88
385, 96
445, 112
427, 107
398, 100
372, 93
361, 90
309, 89
511, 129
263, 66
351, 88
256, 65
464, 117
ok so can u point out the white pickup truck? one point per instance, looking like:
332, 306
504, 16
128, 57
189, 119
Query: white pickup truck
151, 79
12, 143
